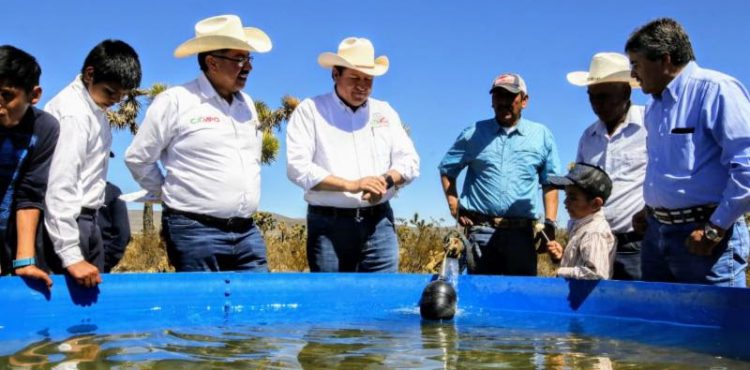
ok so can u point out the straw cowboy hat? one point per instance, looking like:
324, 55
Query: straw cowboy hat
605, 67
224, 32
358, 54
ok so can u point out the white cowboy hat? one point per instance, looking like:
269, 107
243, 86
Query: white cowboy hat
224, 32
605, 67
358, 54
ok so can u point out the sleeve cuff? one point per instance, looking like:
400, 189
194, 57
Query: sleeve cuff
70, 256
721, 218
316, 176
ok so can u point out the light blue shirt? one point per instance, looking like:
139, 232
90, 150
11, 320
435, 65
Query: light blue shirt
623, 156
699, 145
504, 170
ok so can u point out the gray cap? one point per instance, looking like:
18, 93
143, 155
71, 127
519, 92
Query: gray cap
511, 82
592, 179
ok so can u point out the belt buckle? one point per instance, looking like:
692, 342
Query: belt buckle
357, 216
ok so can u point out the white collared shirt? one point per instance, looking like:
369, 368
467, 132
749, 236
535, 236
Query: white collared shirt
623, 156
77, 175
210, 151
325, 137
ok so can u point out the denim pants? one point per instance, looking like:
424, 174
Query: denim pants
195, 246
502, 251
628, 261
664, 256
345, 244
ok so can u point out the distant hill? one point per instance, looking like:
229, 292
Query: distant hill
136, 220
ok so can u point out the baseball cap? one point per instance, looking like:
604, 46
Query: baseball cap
592, 179
511, 82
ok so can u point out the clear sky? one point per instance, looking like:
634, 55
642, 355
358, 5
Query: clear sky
443, 56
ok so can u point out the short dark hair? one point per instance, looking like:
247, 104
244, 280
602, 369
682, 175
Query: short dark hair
114, 61
202, 58
659, 37
18, 68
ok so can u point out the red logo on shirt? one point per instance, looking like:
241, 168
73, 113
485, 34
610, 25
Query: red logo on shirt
379, 120
206, 119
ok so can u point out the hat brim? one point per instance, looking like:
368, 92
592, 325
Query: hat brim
380, 67
255, 41
583, 78
559, 182
514, 90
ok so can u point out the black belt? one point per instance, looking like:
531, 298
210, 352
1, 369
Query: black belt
682, 215
497, 222
222, 223
350, 212
626, 238
88, 211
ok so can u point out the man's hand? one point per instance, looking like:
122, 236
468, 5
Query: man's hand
372, 198
699, 245
85, 274
33, 272
639, 222
453, 207
371, 184
555, 251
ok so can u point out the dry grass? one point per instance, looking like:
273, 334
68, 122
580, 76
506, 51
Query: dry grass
420, 241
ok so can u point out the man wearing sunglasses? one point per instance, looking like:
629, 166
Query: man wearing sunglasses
206, 134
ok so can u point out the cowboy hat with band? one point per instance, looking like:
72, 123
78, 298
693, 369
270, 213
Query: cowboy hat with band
605, 67
224, 32
358, 54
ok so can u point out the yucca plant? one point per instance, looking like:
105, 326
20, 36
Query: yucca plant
270, 121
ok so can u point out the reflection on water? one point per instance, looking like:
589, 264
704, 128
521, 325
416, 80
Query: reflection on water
373, 345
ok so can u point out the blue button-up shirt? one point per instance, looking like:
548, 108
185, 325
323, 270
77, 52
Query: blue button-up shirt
699, 145
504, 170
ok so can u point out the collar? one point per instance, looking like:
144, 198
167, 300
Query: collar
632, 118
343, 104
208, 92
81, 89
520, 127
678, 84
579, 223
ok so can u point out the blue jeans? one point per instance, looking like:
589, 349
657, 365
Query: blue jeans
664, 256
502, 251
195, 246
628, 262
343, 244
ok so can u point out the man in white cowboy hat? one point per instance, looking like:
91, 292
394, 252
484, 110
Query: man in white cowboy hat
350, 153
206, 135
616, 142
507, 158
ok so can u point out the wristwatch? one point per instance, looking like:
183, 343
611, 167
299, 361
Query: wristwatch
388, 181
711, 233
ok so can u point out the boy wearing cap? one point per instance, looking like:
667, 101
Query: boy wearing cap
350, 154
27, 140
507, 159
207, 136
77, 176
590, 253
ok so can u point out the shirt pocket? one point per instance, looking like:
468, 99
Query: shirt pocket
680, 154
526, 164
628, 166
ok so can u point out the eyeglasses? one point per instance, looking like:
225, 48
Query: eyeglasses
241, 62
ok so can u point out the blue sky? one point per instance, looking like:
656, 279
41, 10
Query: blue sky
443, 56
